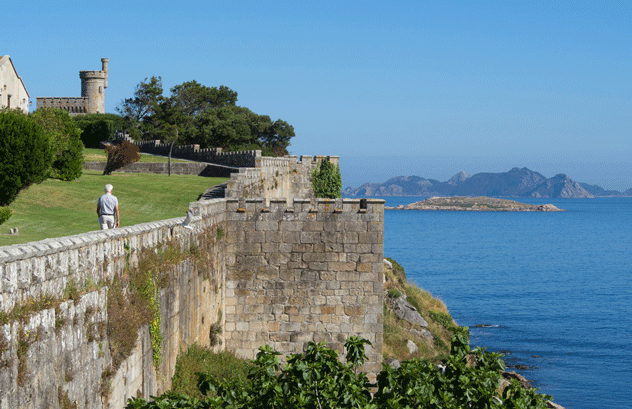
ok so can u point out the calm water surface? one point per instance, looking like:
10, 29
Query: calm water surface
556, 287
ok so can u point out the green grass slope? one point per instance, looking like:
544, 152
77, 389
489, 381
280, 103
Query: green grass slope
56, 208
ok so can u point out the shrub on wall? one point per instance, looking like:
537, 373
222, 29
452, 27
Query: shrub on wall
25, 154
327, 181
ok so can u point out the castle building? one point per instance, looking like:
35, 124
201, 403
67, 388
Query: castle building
13, 93
92, 100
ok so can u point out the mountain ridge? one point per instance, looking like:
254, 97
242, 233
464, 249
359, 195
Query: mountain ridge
517, 182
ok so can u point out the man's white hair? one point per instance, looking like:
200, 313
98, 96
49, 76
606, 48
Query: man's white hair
108, 188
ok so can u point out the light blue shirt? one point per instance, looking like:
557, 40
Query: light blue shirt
107, 204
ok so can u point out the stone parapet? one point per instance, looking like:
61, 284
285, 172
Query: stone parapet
309, 270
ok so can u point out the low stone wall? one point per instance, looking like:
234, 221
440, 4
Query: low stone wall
177, 168
208, 155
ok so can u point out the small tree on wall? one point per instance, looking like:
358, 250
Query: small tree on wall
326, 180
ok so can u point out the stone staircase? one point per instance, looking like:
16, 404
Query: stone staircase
214, 192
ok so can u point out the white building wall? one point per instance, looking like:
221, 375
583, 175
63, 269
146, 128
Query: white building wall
12, 87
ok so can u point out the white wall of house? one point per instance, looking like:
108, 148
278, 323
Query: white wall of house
13, 93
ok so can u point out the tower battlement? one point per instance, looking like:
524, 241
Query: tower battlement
92, 100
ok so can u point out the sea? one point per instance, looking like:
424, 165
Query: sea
551, 291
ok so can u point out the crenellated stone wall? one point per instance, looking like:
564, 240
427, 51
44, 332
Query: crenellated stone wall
306, 271
92, 100
269, 264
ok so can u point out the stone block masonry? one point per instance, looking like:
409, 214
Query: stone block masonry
92, 100
269, 263
65, 351
306, 271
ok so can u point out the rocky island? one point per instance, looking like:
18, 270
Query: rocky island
477, 204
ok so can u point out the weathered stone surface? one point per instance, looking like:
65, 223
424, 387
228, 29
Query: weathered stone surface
412, 347
405, 311
394, 363
424, 333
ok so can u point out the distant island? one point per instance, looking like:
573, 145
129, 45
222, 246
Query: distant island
518, 182
476, 204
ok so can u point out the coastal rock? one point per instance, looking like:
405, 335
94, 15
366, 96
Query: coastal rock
476, 204
551, 405
509, 375
424, 333
393, 363
412, 347
405, 311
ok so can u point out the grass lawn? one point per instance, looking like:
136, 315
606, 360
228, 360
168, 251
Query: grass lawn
98, 155
55, 208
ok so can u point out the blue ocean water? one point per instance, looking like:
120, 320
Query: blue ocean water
555, 287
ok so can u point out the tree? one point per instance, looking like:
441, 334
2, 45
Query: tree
207, 116
5, 214
64, 138
96, 132
138, 112
120, 155
326, 180
25, 154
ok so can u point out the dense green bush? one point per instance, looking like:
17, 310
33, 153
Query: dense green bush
326, 180
196, 359
97, 132
5, 214
64, 138
317, 379
25, 154
115, 122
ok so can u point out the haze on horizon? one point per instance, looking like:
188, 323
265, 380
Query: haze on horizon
393, 87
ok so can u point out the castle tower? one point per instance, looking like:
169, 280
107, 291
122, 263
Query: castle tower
93, 85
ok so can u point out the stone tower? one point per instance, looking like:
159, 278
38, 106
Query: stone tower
93, 85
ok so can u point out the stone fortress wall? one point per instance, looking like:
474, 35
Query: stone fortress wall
280, 268
92, 100
309, 270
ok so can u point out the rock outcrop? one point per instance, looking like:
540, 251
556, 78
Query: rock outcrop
480, 204
405, 311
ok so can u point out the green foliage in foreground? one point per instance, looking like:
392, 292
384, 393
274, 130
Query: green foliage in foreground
222, 365
326, 180
317, 379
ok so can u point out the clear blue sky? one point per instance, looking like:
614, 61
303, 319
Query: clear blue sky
425, 88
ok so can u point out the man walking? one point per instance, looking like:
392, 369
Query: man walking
107, 207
